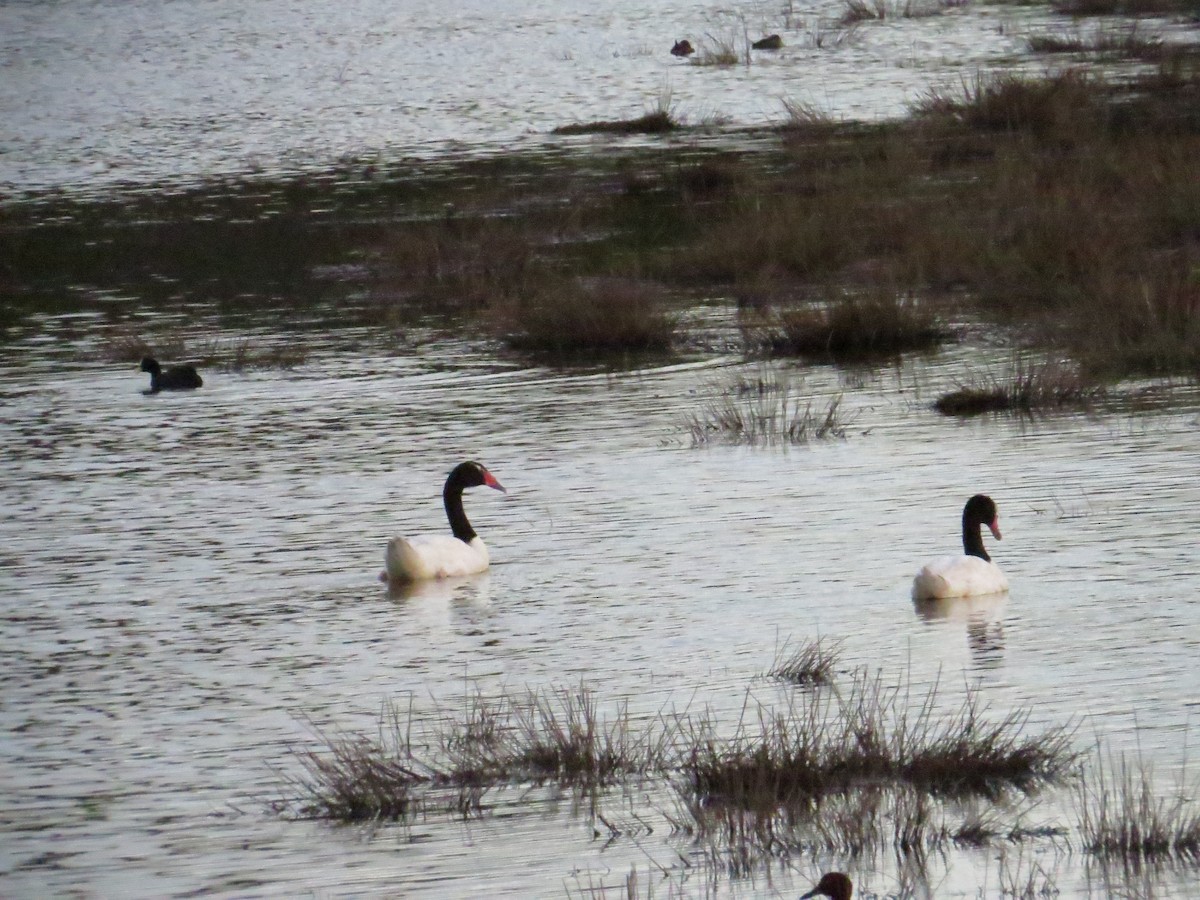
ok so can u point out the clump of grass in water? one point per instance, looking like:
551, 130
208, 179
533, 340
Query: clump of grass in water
558, 736
654, 122
1123, 816
588, 316
763, 412
810, 663
854, 327
1028, 389
1126, 41
659, 120
821, 745
357, 779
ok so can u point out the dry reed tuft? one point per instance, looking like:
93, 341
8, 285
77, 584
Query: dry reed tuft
654, 122
822, 744
855, 327
763, 412
557, 736
1122, 815
597, 315
357, 779
810, 663
1125, 41
1029, 388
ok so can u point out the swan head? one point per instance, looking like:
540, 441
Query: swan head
150, 364
472, 474
981, 510
836, 885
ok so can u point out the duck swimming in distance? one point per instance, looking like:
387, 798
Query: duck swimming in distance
462, 552
176, 378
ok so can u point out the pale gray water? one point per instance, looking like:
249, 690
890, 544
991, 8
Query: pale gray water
94, 92
188, 575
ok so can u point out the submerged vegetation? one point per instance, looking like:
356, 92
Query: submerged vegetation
1068, 204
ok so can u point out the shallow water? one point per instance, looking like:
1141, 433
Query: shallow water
191, 579
96, 92
190, 576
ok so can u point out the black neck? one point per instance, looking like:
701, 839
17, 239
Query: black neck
973, 540
452, 500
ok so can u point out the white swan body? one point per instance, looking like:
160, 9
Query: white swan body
971, 574
434, 556
462, 552
958, 576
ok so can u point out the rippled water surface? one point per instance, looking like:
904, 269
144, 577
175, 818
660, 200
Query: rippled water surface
190, 581
102, 91
189, 576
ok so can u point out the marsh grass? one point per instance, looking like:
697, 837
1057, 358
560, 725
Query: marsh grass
856, 11
231, 354
809, 663
587, 316
556, 736
851, 326
356, 778
1125, 41
763, 412
1124, 815
1068, 203
823, 744
1082, 8
653, 122
721, 51
1028, 388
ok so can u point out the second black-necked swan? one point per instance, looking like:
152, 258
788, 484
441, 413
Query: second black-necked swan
973, 572
430, 556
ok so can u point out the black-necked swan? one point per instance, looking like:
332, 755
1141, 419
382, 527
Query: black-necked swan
176, 378
836, 885
973, 572
443, 555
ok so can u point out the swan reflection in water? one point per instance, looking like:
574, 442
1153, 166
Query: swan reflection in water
438, 602
983, 616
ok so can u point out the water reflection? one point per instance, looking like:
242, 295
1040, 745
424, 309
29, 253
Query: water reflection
443, 607
983, 617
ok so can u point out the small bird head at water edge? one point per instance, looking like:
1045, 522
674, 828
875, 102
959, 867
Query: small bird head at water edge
835, 885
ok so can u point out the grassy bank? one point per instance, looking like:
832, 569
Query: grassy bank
1068, 204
